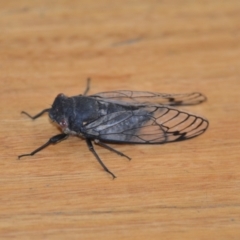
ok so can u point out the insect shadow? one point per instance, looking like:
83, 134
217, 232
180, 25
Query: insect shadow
123, 117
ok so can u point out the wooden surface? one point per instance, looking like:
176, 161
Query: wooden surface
186, 190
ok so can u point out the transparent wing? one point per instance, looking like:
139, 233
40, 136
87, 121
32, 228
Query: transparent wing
149, 124
150, 97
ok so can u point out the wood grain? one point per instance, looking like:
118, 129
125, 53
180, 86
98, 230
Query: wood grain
186, 190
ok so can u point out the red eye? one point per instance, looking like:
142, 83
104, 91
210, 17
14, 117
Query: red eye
60, 95
63, 123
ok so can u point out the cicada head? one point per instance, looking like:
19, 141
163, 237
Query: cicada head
60, 110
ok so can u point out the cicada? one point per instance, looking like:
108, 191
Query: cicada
124, 116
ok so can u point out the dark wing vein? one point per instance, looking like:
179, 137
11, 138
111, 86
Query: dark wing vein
150, 97
148, 124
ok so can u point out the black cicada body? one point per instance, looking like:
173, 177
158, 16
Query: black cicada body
124, 117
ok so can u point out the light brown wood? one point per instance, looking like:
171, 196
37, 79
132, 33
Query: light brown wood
186, 190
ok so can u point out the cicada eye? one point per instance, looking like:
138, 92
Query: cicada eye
60, 95
63, 123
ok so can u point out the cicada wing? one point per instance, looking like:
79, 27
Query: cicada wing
150, 97
149, 124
